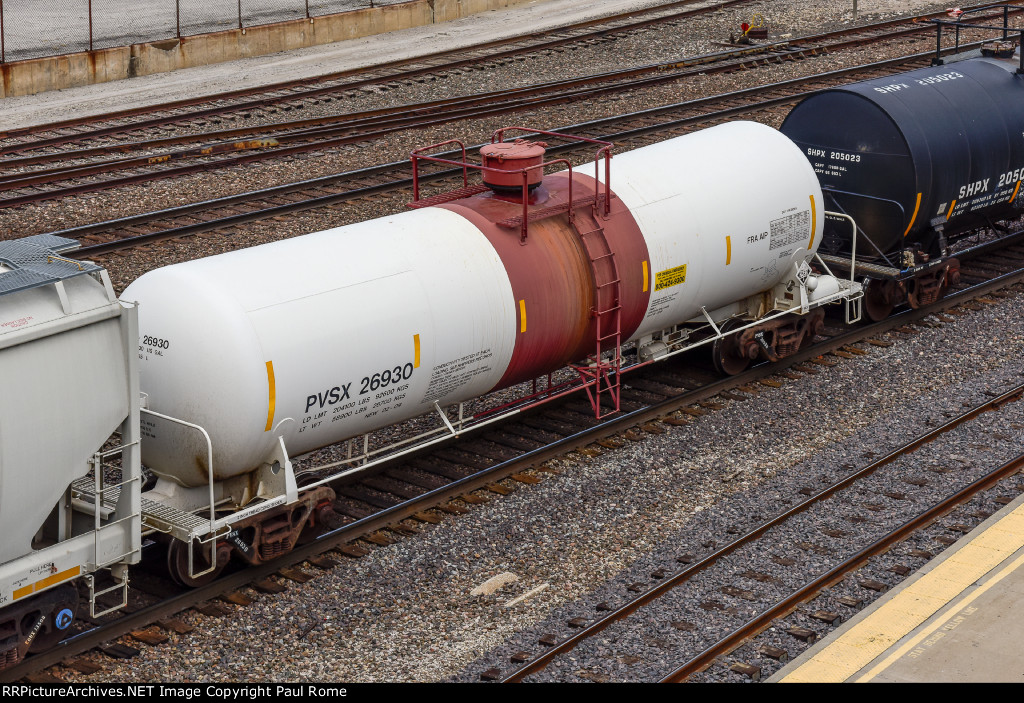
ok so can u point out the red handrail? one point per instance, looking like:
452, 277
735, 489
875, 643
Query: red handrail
605, 152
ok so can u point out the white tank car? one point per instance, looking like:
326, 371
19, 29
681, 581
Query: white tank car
738, 204
324, 337
298, 338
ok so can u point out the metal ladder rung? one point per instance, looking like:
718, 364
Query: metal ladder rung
598, 377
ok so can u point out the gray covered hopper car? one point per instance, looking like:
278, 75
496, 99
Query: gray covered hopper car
69, 415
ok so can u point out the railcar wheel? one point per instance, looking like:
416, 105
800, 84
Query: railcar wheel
727, 353
58, 619
879, 298
177, 564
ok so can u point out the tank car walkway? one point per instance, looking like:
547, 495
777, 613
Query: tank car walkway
957, 620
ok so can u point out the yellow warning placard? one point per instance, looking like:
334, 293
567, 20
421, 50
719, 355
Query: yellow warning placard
670, 277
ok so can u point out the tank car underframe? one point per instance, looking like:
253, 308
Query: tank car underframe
258, 516
255, 539
886, 287
773, 340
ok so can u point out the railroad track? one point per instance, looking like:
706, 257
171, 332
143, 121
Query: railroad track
294, 94
994, 488
628, 131
236, 147
385, 505
762, 545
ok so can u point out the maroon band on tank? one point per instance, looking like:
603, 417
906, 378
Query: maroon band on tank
551, 272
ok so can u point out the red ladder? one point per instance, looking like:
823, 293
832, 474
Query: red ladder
600, 375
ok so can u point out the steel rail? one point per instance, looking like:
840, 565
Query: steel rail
764, 619
400, 115
762, 53
348, 129
473, 61
405, 183
751, 537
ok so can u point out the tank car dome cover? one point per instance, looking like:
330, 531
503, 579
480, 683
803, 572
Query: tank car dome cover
949, 133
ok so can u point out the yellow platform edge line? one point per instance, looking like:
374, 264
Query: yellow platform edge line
871, 637
959, 605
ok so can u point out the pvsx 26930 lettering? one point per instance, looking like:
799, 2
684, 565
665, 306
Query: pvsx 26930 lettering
385, 378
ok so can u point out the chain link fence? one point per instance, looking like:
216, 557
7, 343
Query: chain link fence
32, 29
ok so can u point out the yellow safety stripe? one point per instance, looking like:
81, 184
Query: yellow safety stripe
950, 210
728, 250
416, 352
522, 315
814, 223
917, 206
1014, 196
47, 582
943, 620
646, 277
273, 396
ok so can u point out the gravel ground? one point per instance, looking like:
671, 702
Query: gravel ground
649, 637
405, 612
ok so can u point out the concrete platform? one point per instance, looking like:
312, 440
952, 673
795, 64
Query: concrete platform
960, 619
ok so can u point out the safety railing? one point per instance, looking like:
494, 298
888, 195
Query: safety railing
961, 22
601, 197
213, 533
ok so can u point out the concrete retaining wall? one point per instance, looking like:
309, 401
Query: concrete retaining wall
56, 72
